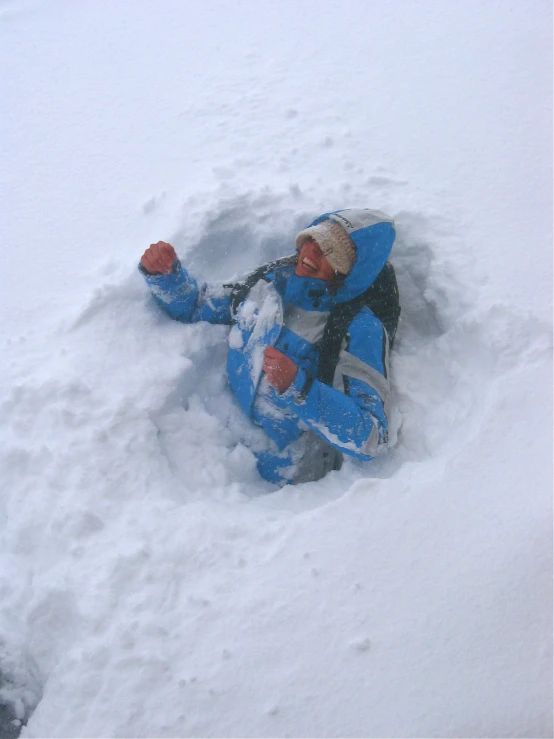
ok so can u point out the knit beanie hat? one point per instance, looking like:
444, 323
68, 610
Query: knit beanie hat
334, 242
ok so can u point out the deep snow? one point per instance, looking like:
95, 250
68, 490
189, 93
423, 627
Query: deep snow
150, 583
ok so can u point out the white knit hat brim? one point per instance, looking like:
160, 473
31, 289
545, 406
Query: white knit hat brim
334, 242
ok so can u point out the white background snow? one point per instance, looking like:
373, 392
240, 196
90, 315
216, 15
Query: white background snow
150, 583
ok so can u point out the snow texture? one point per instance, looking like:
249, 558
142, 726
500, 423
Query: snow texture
151, 584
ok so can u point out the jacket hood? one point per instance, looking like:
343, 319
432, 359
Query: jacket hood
373, 234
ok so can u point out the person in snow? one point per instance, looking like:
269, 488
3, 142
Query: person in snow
309, 343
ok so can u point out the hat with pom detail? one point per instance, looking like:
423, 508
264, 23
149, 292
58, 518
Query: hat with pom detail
337, 247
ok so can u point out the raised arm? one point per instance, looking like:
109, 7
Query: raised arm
178, 293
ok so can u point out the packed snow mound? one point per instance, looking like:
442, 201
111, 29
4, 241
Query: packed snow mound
130, 392
137, 521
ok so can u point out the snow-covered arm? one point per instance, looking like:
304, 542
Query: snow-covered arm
179, 294
353, 421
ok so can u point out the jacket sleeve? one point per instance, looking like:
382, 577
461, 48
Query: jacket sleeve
351, 415
185, 300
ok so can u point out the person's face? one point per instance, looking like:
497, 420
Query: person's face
312, 263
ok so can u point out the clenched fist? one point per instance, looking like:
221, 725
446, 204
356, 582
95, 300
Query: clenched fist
159, 258
280, 370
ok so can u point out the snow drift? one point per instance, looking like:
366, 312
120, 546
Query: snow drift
151, 583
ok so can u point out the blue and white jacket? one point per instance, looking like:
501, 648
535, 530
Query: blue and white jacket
290, 313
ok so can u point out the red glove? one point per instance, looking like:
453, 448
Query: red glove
280, 370
159, 258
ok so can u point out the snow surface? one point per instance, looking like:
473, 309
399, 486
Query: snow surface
150, 583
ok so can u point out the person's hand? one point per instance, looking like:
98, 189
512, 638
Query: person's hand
159, 258
280, 370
